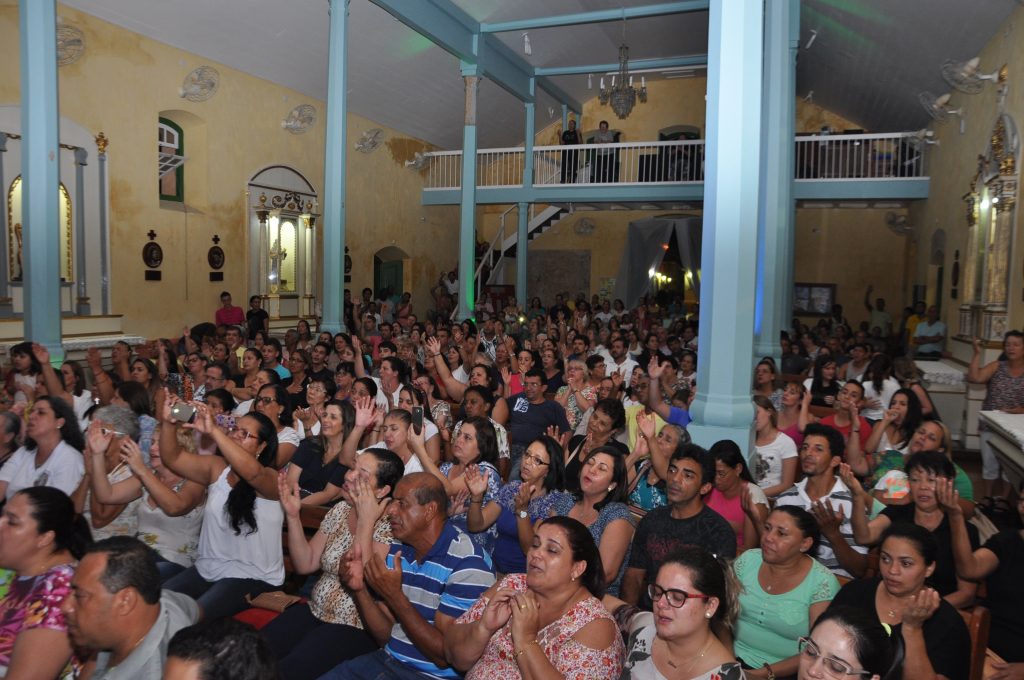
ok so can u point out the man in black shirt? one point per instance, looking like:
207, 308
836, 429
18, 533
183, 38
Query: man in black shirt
530, 415
684, 521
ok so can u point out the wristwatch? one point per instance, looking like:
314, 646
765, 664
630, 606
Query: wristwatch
523, 514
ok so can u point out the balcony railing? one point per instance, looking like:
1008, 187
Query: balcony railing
818, 157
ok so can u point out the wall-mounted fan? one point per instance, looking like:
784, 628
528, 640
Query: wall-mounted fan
300, 119
370, 140
938, 107
418, 162
584, 226
965, 75
200, 85
899, 224
70, 45
922, 137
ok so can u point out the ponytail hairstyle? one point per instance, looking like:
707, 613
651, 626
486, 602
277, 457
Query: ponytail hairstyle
54, 511
242, 499
711, 575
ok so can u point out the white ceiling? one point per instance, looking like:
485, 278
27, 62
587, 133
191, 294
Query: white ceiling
868, 62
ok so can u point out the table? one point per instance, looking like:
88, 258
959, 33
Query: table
1007, 441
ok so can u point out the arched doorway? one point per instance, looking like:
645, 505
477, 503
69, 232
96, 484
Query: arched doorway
389, 270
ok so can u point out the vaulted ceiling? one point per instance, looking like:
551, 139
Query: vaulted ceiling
867, 60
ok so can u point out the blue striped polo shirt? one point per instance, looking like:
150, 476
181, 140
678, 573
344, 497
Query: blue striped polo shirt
453, 575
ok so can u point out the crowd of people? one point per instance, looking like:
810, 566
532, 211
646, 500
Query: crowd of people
512, 497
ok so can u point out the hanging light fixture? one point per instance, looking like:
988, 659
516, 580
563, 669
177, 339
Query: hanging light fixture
622, 95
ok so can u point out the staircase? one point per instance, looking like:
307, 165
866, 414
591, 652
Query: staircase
507, 246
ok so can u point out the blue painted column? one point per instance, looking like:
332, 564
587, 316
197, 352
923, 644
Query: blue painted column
101, 155
522, 234
334, 172
723, 409
777, 212
6, 308
467, 214
40, 172
82, 298
522, 253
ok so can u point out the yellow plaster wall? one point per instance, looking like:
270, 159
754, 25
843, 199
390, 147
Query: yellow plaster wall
852, 248
120, 86
953, 164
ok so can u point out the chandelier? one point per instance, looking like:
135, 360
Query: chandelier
622, 95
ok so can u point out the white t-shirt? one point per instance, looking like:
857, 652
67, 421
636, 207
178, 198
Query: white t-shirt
460, 374
766, 463
889, 388
288, 435
63, 470
625, 369
83, 403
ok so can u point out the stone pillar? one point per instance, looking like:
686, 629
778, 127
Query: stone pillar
776, 216
334, 172
467, 221
40, 173
82, 299
723, 409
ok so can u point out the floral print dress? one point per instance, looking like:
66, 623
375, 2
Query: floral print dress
573, 660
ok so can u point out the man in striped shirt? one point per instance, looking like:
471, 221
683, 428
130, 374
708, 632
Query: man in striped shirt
433, 573
822, 493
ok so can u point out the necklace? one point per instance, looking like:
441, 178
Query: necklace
686, 669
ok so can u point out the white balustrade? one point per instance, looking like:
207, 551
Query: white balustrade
818, 157
871, 156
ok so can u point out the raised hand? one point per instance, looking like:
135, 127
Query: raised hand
131, 455
498, 611
288, 495
457, 503
646, 423
827, 518
94, 359
947, 496
350, 570
387, 582
476, 481
976, 343
97, 441
523, 496
433, 345
850, 480
655, 368
525, 618
41, 354
368, 507
921, 608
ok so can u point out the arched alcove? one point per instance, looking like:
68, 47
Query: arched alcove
390, 270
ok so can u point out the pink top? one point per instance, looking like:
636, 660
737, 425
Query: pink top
794, 433
731, 510
570, 658
33, 602
229, 316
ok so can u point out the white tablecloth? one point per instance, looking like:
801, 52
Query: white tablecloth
1010, 423
942, 372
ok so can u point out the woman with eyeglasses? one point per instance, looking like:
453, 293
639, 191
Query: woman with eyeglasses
307, 418
784, 591
846, 643
693, 594
546, 623
167, 507
536, 495
320, 463
272, 401
938, 646
240, 543
111, 427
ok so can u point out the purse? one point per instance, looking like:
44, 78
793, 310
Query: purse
276, 601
